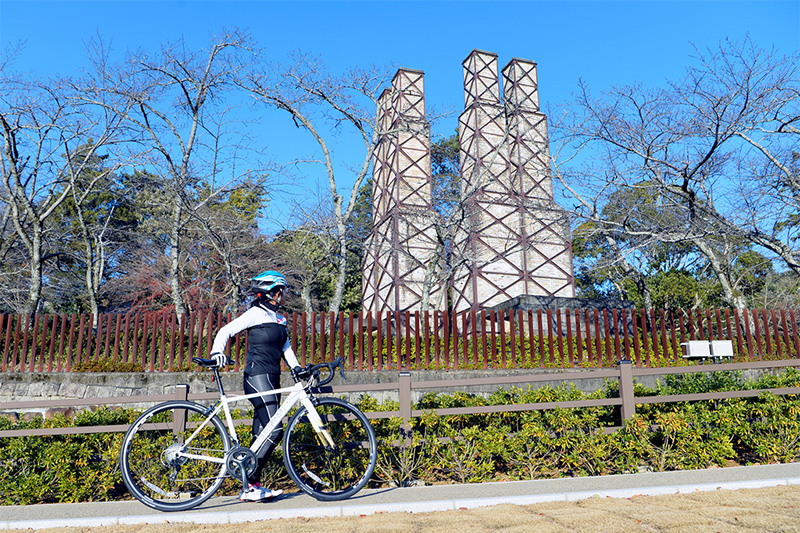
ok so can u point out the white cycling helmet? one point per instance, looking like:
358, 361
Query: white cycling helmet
267, 281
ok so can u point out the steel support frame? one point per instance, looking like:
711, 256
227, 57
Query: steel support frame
517, 240
403, 240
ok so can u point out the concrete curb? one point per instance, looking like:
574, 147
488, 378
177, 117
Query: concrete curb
339, 510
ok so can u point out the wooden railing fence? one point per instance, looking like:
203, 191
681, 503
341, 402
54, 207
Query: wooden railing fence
158, 342
624, 372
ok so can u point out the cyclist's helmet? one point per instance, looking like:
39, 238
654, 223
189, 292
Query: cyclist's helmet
266, 282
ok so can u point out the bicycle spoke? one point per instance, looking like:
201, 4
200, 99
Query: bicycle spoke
327, 473
154, 462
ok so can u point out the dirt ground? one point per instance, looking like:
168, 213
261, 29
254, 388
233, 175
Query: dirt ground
768, 509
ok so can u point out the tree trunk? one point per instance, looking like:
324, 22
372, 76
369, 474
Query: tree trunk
91, 284
305, 295
35, 290
430, 276
341, 275
236, 296
90, 256
721, 266
174, 266
641, 284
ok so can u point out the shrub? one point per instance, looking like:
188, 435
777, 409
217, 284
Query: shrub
467, 448
64, 468
769, 431
106, 365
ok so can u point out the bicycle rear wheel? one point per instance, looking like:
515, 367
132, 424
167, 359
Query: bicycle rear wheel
152, 467
325, 473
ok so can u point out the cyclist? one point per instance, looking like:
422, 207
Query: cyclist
268, 340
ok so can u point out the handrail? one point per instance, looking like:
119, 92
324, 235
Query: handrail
624, 373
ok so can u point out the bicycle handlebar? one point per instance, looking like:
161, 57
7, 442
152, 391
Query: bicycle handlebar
314, 370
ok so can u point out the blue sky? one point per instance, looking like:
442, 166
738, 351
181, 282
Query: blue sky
605, 43
602, 42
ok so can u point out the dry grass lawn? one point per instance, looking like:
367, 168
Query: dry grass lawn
768, 509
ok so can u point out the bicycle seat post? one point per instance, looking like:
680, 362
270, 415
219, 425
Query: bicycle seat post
218, 379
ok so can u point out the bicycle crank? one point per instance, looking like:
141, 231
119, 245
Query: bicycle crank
241, 459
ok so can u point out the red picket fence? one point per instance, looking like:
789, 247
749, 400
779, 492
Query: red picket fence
158, 342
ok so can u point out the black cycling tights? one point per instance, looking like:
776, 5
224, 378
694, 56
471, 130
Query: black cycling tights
265, 409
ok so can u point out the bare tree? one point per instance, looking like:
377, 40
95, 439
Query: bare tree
94, 197
450, 253
304, 255
322, 105
227, 227
43, 123
680, 153
454, 201
181, 114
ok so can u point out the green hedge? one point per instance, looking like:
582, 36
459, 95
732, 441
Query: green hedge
468, 448
570, 442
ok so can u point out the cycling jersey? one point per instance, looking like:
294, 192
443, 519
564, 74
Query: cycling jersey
267, 340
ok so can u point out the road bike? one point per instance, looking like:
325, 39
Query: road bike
177, 454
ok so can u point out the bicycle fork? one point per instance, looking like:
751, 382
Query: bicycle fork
319, 426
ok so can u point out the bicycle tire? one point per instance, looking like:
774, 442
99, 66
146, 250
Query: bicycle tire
151, 472
323, 473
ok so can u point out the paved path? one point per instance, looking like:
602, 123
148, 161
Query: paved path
228, 509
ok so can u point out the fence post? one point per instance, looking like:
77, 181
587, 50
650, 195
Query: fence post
181, 393
404, 384
626, 393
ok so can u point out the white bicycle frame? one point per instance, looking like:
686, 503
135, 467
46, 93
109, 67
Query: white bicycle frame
297, 394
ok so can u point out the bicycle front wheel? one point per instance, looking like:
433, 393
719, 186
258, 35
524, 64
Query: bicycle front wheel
153, 458
324, 472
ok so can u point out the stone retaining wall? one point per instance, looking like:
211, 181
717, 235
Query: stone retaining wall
33, 386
